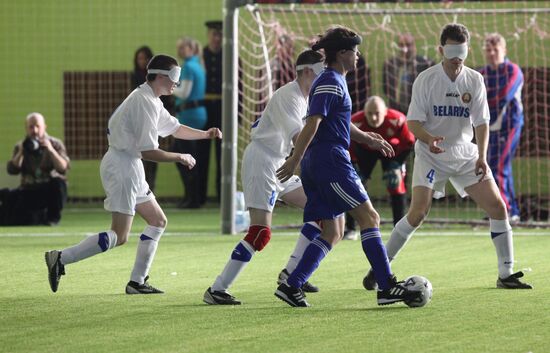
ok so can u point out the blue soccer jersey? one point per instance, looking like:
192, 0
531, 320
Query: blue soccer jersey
329, 97
330, 182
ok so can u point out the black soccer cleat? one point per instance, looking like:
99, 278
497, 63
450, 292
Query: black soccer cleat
292, 296
397, 293
369, 282
145, 288
307, 287
219, 298
513, 282
55, 268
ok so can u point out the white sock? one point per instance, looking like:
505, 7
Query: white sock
501, 233
309, 232
147, 247
400, 234
90, 246
240, 257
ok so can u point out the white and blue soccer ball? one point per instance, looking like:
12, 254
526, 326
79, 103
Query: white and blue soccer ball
421, 284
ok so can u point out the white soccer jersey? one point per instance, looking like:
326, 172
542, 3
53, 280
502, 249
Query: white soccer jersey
449, 108
136, 124
281, 120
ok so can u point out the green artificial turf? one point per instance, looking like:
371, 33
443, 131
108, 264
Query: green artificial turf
91, 313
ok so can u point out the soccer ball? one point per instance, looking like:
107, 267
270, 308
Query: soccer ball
422, 284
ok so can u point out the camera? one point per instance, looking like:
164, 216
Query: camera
31, 145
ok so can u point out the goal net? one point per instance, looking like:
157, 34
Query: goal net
270, 36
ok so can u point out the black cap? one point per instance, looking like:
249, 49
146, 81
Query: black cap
217, 25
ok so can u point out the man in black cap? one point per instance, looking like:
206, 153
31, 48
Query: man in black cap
212, 55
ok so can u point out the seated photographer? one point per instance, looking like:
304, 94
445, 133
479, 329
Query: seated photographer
42, 162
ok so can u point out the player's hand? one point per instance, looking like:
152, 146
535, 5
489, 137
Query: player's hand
434, 148
214, 133
481, 168
376, 142
187, 160
287, 169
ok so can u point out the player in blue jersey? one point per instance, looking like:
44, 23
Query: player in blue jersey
447, 99
330, 182
504, 81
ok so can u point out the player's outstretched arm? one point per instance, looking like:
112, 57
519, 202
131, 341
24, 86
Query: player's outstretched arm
163, 156
188, 133
304, 139
373, 140
421, 134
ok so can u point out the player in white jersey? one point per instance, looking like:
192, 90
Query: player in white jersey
272, 138
133, 134
447, 99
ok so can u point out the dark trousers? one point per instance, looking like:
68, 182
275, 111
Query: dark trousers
366, 161
214, 111
150, 168
39, 204
189, 177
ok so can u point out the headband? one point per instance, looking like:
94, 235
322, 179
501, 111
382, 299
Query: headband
317, 67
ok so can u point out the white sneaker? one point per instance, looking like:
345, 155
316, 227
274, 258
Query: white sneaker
514, 219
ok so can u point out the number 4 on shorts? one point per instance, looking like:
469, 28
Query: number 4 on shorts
430, 175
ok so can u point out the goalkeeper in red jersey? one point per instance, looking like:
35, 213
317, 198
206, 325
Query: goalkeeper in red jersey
391, 124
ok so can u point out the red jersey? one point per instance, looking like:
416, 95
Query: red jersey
394, 129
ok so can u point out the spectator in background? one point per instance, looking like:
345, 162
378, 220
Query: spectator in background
141, 59
504, 81
392, 126
190, 112
212, 56
400, 72
42, 162
358, 84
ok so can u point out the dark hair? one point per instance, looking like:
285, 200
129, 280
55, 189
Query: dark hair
456, 32
309, 57
335, 39
161, 62
145, 50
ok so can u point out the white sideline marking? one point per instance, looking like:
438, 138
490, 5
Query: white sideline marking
177, 234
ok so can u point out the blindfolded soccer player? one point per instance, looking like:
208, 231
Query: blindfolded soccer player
133, 134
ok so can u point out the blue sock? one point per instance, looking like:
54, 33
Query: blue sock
376, 254
311, 231
241, 253
314, 253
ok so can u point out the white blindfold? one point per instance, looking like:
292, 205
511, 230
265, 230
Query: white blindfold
451, 51
173, 74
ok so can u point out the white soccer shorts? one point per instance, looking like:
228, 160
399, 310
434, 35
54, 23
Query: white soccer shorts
260, 184
456, 164
123, 179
